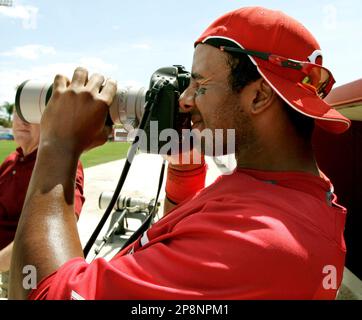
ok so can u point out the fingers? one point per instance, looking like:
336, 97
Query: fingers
95, 82
109, 91
60, 82
80, 78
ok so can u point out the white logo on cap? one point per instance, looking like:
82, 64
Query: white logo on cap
314, 56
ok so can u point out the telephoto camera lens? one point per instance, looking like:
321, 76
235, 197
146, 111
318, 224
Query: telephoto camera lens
126, 109
123, 202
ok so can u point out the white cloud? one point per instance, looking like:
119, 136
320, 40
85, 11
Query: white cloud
29, 52
27, 14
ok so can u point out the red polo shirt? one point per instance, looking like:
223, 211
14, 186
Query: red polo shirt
250, 235
15, 174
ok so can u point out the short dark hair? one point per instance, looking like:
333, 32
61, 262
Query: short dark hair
243, 72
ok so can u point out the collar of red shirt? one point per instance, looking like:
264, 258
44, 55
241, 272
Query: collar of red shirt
30, 157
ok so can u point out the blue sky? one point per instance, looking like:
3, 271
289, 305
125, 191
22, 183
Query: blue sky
129, 40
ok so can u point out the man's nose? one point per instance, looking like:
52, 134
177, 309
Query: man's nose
187, 100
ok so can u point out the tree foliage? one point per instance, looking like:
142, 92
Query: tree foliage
9, 107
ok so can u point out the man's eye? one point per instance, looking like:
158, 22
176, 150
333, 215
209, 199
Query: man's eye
200, 91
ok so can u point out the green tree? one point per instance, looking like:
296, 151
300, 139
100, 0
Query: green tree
5, 123
9, 107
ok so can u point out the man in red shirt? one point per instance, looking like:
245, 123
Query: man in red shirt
270, 230
15, 174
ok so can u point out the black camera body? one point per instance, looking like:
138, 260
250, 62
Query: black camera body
166, 109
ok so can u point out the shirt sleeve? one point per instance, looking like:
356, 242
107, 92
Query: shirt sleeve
5, 164
205, 256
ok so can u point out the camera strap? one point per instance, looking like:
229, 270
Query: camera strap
152, 99
149, 220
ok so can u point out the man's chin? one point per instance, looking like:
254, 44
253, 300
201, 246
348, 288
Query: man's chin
198, 126
21, 140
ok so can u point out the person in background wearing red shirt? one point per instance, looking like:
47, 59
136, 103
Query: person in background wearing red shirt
15, 173
270, 230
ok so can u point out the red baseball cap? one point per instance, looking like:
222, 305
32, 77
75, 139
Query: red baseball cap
257, 29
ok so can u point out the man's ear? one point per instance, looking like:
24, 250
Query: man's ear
264, 96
